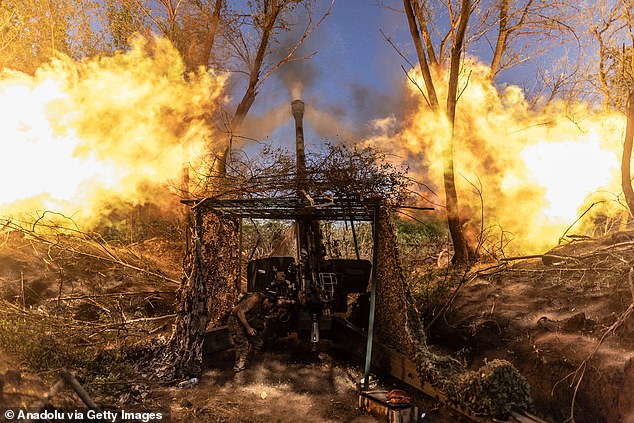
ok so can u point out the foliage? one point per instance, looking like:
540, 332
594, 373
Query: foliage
339, 239
31, 32
421, 243
417, 233
432, 290
124, 19
43, 345
127, 223
619, 64
109, 372
259, 237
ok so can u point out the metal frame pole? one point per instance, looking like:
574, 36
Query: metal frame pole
375, 254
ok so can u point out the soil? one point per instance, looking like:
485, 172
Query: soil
544, 316
548, 319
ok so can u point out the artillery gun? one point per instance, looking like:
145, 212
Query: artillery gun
318, 286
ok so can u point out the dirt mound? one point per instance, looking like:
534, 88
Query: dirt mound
552, 319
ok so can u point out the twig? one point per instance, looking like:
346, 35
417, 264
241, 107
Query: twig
13, 307
447, 304
114, 294
23, 299
532, 256
158, 328
578, 219
110, 258
151, 319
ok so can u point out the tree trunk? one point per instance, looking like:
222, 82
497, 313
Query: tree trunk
420, 52
461, 253
603, 76
207, 290
500, 45
271, 15
420, 15
211, 35
626, 177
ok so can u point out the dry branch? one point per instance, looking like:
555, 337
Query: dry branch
112, 294
63, 240
41, 403
71, 381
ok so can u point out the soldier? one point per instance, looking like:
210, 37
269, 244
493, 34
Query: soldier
246, 323
245, 315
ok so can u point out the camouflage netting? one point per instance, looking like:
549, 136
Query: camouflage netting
493, 390
221, 261
208, 289
392, 293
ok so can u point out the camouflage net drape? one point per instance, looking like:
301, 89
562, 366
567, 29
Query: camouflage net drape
208, 289
495, 389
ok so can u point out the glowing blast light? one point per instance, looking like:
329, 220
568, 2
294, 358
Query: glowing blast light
77, 134
35, 160
569, 171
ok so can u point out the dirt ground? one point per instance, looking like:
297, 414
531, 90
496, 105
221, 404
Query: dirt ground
284, 384
287, 384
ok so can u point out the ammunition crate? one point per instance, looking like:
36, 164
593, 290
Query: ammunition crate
376, 403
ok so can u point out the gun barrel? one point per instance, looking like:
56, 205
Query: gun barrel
297, 107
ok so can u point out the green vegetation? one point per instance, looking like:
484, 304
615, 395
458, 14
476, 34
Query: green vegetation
40, 343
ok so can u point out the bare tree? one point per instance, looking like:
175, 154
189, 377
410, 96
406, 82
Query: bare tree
609, 25
603, 21
191, 25
623, 82
426, 58
266, 20
515, 31
245, 37
201, 24
523, 30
